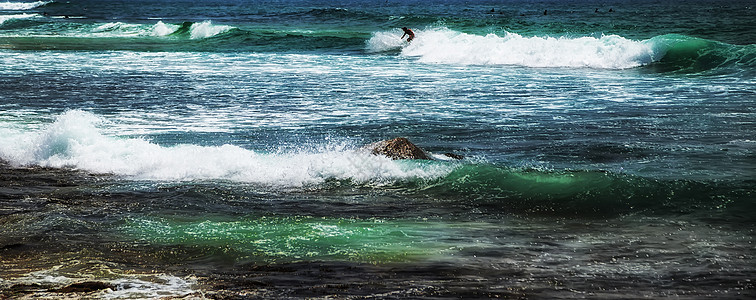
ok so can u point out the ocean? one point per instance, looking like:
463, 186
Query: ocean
215, 149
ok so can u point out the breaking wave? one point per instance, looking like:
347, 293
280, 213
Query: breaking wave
7, 18
665, 53
201, 30
75, 141
453, 47
190, 30
23, 5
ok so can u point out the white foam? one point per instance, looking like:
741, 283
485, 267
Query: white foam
127, 286
74, 140
119, 29
160, 286
446, 46
108, 27
162, 29
4, 18
22, 5
385, 41
206, 29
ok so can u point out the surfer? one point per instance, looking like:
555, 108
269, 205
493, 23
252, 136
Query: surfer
408, 32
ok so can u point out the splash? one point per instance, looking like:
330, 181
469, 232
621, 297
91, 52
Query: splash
206, 29
452, 47
664, 53
384, 41
75, 141
162, 29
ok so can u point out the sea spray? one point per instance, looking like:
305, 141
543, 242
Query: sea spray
443, 45
695, 55
75, 141
206, 29
384, 41
162, 29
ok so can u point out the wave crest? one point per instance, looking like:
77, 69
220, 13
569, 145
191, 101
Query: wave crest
6, 18
162, 29
22, 5
75, 141
207, 29
453, 47
664, 53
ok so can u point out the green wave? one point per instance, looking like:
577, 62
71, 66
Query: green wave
589, 193
36, 34
672, 52
695, 55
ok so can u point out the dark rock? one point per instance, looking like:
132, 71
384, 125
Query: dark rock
85, 287
402, 148
398, 148
12, 246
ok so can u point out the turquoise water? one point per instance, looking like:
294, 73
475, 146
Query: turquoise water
176, 148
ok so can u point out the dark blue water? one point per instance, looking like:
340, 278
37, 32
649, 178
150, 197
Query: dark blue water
215, 149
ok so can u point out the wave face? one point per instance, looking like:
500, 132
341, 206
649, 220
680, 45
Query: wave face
695, 55
433, 45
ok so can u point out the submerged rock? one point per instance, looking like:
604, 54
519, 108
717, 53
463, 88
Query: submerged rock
398, 148
402, 148
85, 287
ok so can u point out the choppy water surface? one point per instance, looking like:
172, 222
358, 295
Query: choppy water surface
180, 149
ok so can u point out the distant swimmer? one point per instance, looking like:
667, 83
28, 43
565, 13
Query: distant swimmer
408, 32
